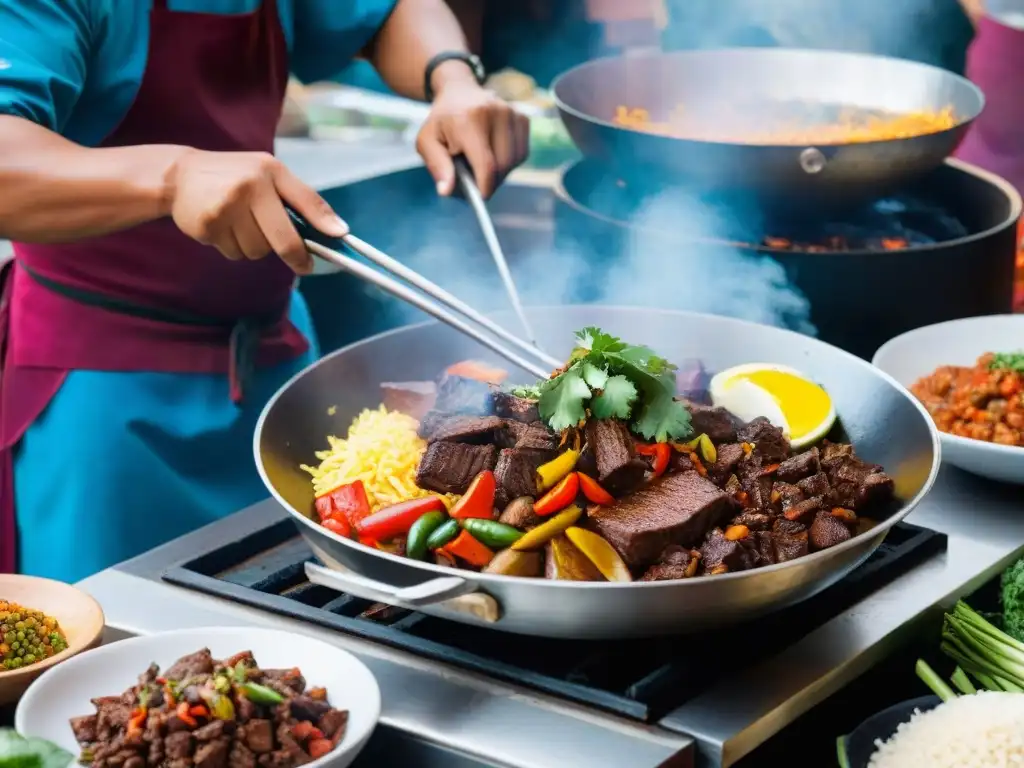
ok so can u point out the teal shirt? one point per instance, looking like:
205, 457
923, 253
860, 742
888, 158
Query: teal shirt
75, 66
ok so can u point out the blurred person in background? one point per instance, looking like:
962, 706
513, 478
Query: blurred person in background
146, 319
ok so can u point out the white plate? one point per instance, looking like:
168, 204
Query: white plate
917, 353
65, 691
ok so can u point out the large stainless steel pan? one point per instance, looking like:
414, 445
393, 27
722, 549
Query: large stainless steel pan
739, 91
884, 422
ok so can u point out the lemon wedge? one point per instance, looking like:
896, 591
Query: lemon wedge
786, 397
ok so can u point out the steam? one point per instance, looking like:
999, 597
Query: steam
648, 270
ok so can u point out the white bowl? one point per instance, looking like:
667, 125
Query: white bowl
917, 353
65, 690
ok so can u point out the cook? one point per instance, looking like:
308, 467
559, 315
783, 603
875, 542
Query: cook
145, 318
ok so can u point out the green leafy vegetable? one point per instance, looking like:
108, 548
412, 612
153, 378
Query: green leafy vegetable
1012, 598
1009, 361
616, 380
562, 399
615, 401
531, 392
18, 752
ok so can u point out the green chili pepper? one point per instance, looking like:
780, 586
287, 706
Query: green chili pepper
492, 533
443, 534
260, 694
416, 543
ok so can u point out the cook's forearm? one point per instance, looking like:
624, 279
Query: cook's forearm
416, 31
55, 190
470, 14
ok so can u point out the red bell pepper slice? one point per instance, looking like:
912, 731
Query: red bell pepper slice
478, 500
559, 497
465, 547
662, 453
338, 525
593, 492
349, 501
397, 519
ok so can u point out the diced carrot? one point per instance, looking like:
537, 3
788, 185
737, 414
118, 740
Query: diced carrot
698, 465
736, 532
199, 711
846, 515
183, 715
769, 469
319, 748
317, 694
303, 730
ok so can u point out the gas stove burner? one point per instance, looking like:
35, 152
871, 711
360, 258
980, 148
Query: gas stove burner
639, 679
868, 272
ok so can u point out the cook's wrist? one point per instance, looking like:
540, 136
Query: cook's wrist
163, 178
455, 73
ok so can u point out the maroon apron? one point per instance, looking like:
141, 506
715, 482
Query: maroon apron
150, 298
995, 63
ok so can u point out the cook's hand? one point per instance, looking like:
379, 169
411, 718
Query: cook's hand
468, 120
234, 201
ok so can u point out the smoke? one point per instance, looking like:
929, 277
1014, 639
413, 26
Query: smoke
647, 269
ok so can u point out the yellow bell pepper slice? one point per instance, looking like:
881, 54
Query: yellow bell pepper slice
550, 474
600, 553
546, 531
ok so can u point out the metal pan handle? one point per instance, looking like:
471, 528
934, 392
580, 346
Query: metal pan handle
448, 593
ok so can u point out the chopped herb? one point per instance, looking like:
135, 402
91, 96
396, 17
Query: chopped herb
615, 401
1008, 361
562, 399
616, 380
527, 393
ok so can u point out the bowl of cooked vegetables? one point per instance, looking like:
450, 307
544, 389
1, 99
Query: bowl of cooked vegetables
969, 375
211, 697
42, 623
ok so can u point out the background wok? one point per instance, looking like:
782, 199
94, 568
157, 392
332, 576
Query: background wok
885, 424
739, 91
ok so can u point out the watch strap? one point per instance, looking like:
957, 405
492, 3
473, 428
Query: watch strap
471, 60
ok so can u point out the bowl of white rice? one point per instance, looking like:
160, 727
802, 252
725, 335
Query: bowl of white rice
983, 730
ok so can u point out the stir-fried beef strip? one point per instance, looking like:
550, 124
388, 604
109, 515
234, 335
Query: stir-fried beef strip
460, 428
450, 467
619, 470
674, 509
766, 438
516, 473
204, 713
675, 562
713, 421
508, 406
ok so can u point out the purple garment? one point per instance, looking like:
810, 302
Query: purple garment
995, 63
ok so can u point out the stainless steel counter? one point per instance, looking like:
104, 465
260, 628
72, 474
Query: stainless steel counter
496, 724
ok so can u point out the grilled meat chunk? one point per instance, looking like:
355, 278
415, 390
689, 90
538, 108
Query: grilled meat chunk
713, 421
768, 439
674, 509
508, 406
459, 428
796, 468
618, 469
450, 467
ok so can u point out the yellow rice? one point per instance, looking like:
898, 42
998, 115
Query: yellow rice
383, 450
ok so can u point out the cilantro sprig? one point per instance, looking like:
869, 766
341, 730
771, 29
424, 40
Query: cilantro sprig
1008, 361
613, 379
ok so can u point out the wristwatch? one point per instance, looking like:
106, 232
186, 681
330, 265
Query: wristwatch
471, 60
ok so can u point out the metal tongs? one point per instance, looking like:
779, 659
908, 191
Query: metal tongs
433, 302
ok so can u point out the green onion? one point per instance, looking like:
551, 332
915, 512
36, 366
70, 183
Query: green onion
982, 651
260, 694
962, 683
933, 681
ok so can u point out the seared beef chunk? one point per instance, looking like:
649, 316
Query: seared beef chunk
755, 482
618, 469
785, 527
414, 398
519, 513
450, 467
674, 509
508, 406
767, 438
790, 540
786, 495
535, 436
679, 462
729, 456
856, 483
827, 531
457, 394
516, 471
198, 663
815, 485
720, 555
264, 735
457, 428
717, 423
755, 521
674, 563
804, 511
798, 467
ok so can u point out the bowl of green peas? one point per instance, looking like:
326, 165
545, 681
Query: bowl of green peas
42, 623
